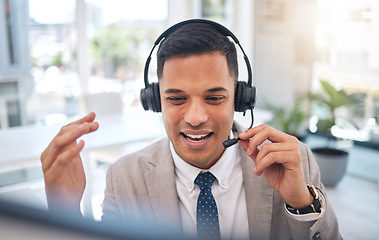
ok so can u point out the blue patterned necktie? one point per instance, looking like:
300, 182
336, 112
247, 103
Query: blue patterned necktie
207, 215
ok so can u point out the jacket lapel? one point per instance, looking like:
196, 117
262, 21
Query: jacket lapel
259, 198
161, 187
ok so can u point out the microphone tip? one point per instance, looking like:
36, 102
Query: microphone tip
230, 142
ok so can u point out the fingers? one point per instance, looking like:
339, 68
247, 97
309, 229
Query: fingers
266, 146
254, 137
88, 118
285, 154
66, 139
263, 132
64, 159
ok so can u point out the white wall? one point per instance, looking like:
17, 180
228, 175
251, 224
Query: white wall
281, 52
181, 10
283, 49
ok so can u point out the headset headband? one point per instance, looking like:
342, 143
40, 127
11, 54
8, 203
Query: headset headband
223, 30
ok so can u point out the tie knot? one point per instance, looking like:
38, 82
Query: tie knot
205, 180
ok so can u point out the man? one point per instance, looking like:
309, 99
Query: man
257, 189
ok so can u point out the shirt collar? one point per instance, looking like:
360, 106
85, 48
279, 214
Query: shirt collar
222, 169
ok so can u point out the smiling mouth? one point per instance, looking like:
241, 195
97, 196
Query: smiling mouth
196, 138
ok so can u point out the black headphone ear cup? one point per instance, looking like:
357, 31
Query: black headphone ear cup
156, 98
244, 97
143, 98
238, 96
150, 97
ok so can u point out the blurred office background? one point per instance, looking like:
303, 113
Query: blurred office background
61, 59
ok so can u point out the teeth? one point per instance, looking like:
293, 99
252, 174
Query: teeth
196, 136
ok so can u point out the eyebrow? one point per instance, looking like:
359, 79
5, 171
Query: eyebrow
217, 89
173, 91
212, 90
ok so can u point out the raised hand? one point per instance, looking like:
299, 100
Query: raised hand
62, 165
279, 160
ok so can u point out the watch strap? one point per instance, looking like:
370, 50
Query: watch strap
314, 207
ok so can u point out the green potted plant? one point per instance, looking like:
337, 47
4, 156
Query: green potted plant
332, 161
289, 120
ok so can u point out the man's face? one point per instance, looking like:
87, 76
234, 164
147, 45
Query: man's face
197, 96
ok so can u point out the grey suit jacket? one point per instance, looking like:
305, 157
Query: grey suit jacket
141, 186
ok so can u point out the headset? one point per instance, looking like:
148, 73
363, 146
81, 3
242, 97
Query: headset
244, 96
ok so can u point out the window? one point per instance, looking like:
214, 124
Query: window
53, 46
213, 9
346, 56
352, 59
9, 31
13, 68
121, 35
360, 15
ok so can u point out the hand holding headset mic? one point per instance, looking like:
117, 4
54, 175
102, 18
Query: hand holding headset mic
244, 96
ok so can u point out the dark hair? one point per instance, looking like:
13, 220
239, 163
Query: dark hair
197, 38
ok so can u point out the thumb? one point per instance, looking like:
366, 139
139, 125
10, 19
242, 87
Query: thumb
244, 144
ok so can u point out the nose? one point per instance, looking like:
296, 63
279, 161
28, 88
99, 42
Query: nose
196, 113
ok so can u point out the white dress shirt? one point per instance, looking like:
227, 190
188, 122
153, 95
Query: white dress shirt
228, 192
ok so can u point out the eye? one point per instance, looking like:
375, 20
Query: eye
215, 99
176, 100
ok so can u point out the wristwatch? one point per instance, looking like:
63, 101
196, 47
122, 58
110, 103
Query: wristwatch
315, 206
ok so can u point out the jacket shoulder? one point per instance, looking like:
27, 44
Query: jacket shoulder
149, 155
